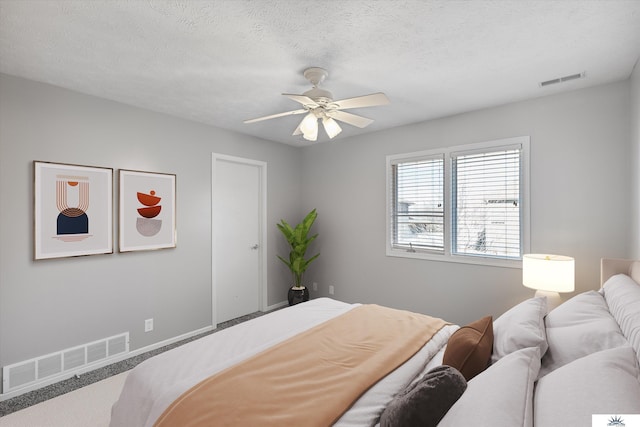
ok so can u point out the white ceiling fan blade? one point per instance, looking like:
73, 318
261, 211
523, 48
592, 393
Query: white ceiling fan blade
352, 119
302, 99
363, 101
273, 116
297, 131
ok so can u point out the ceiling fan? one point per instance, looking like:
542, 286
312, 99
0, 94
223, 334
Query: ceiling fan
319, 105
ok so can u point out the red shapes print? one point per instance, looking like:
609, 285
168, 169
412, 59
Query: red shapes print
147, 226
149, 199
150, 212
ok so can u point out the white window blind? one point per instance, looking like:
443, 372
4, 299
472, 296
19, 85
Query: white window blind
418, 204
460, 204
486, 203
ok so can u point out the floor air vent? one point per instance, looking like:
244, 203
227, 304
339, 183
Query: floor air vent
63, 363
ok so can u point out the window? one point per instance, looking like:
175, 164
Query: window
464, 204
418, 203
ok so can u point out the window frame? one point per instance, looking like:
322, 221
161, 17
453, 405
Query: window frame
448, 152
437, 157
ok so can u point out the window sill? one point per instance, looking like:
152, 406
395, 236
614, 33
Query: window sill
475, 260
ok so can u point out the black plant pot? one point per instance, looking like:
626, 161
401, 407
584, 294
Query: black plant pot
297, 296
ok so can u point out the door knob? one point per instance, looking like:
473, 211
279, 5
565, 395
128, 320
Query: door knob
254, 247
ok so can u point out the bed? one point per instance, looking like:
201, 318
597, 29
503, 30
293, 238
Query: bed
527, 367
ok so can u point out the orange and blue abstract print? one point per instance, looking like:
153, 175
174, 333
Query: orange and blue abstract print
72, 222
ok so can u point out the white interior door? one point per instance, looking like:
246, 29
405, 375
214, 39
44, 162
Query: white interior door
238, 216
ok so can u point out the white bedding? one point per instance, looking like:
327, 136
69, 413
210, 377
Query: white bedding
589, 344
154, 384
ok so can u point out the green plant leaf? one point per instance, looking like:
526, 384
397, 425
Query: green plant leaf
299, 240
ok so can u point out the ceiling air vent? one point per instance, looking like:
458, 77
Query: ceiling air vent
562, 79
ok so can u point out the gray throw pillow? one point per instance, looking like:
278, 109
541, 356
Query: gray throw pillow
425, 402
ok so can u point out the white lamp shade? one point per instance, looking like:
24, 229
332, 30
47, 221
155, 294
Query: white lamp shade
554, 273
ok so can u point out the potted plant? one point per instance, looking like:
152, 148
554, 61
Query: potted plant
299, 240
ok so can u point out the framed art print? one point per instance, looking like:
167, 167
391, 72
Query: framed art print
147, 211
73, 210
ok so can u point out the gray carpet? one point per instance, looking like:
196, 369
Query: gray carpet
62, 387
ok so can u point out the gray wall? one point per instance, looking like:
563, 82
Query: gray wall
580, 203
50, 305
580, 169
635, 165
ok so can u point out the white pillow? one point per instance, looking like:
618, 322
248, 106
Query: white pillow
584, 307
605, 382
520, 327
502, 395
623, 297
577, 328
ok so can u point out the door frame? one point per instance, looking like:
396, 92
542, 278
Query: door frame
262, 238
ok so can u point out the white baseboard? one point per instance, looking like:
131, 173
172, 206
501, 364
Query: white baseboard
94, 366
276, 306
168, 341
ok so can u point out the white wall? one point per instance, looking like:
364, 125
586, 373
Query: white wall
50, 305
579, 202
635, 165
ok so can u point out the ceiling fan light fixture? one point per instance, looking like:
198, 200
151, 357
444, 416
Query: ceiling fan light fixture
309, 127
311, 136
331, 127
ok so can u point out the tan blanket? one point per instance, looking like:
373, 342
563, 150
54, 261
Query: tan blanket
310, 379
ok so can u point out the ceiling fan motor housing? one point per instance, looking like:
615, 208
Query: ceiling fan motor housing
320, 96
316, 75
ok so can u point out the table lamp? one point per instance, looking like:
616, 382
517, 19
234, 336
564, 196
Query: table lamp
548, 275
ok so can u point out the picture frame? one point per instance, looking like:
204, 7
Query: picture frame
73, 210
147, 218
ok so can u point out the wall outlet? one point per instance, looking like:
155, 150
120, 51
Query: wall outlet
315, 286
331, 289
148, 325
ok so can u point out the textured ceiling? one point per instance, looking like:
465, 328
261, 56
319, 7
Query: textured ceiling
223, 61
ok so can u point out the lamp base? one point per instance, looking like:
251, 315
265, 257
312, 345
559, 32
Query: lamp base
553, 299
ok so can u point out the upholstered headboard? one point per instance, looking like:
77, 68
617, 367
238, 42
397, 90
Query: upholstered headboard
612, 266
